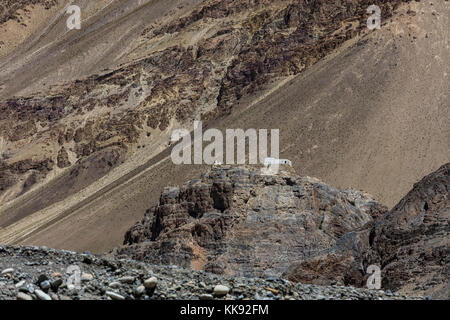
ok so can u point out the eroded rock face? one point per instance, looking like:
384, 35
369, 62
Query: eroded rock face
63, 158
410, 243
240, 222
10, 7
342, 264
35, 170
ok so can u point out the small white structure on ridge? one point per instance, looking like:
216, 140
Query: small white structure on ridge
271, 161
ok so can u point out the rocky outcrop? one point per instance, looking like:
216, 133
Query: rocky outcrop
35, 170
63, 158
410, 243
9, 8
238, 221
342, 264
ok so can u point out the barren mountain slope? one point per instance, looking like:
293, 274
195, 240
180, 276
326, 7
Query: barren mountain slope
372, 116
55, 122
52, 54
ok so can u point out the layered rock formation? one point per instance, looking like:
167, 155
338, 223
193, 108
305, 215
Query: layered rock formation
9, 8
238, 221
412, 241
411, 244
343, 263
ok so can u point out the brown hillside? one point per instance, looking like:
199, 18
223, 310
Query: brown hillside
366, 110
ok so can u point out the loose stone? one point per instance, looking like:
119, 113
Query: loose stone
114, 296
221, 290
6, 271
86, 277
126, 279
151, 283
45, 285
23, 296
42, 295
139, 291
114, 284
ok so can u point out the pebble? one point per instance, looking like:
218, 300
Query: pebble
42, 295
114, 284
221, 290
45, 285
20, 284
6, 271
87, 277
26, 288
56, 284
23, 296
139, 291
206, 297
126, 279
114, 296
151, 283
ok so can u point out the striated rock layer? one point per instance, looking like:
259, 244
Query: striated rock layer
410, 243
238, 221
194, 66
241, 222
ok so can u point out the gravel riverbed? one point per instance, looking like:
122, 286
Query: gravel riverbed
39, 273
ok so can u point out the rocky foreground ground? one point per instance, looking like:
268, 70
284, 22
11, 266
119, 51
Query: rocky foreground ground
39, 273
